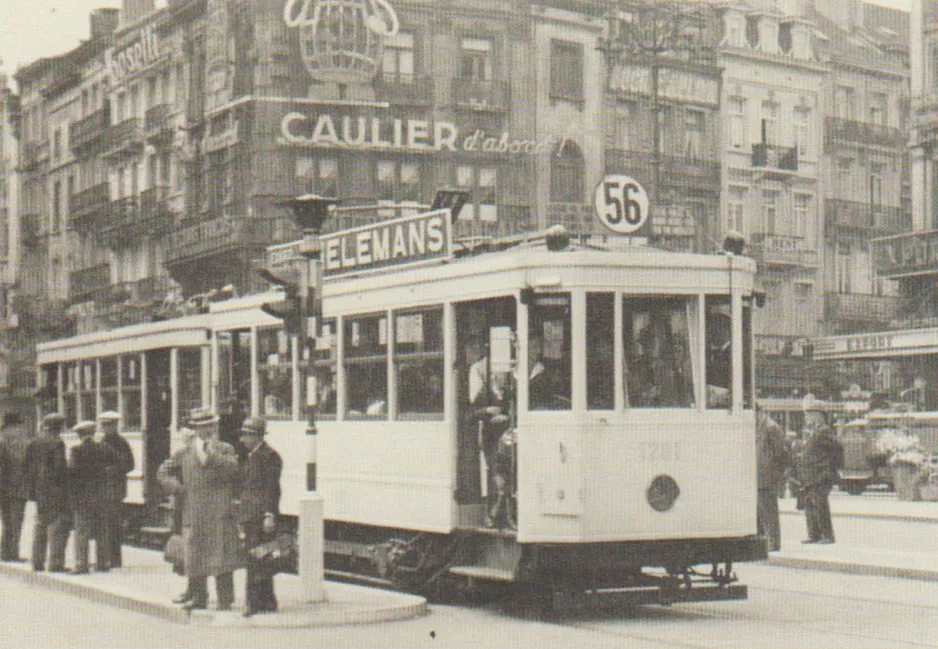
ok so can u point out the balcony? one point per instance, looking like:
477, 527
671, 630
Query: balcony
915, 253
676, 171
405, 89
89, 283
577, 218
125, 138
484, 96
866, 133
876, 220
783, 251
774, 157
34, 154
223, 235
860, 307
89, 131
134, 219
30, 229
157, 121
89, 206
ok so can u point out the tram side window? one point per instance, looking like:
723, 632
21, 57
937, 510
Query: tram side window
366, 367
549, 372
275, 372
189, 382
72, 371
418, 362
600, 343
48, 393
747, 357
234, 360
718, 323
131, 392
325, 359
657, 345
88, 391
109, 383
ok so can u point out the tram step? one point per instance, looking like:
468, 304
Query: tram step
483, 572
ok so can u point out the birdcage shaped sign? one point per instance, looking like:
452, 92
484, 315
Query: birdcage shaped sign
341, 41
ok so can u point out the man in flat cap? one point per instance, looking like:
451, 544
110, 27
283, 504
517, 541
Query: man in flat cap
823, 456
47, 477
260, 506
13, 488
207, 471
109, 422
89, 463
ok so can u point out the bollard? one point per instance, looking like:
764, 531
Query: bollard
312, 548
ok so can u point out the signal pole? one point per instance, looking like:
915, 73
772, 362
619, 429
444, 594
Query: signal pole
310, 213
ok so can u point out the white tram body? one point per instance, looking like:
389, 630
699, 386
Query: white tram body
642, 475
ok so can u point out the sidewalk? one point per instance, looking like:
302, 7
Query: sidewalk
146, 584
855, 559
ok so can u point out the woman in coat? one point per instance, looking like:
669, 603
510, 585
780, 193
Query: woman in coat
207, 472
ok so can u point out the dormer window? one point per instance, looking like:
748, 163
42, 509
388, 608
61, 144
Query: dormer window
769, 36
784, 38
752, 31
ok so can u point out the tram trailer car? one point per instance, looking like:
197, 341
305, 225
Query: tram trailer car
632, 475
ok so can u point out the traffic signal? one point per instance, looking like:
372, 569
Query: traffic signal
292, 308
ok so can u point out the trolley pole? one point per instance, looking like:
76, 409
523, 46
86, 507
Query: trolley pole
310, 212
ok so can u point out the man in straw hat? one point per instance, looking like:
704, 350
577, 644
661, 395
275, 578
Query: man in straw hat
207, 470
109, 422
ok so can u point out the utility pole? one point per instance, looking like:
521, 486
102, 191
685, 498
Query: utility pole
656, 34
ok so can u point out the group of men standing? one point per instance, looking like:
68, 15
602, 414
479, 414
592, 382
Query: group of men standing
81, 490
205, 475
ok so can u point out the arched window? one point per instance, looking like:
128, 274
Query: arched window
566, 174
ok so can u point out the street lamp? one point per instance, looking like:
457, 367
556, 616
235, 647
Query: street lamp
310, 212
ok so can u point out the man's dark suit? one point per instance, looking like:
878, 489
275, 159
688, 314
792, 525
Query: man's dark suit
88, 468
260, 495
116, 492
47, 477
13, 490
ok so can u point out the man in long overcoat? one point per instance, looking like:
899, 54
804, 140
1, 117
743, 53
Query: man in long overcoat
13, 488
822, 458
773, 458
89, 463
47, 477
260, 506
208, 473
109, 422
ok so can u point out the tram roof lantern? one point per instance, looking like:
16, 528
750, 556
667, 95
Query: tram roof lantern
310, 211
734, 242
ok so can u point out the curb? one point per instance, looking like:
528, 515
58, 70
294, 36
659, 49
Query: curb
337, 615
113, 596
846, 567
901, 518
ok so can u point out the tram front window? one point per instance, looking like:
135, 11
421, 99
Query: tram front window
549, 371
656, 342
366, 367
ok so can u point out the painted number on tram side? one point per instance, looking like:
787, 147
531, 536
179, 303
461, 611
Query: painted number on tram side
659, 451
621, 204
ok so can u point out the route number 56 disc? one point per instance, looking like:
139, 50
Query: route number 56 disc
621, 204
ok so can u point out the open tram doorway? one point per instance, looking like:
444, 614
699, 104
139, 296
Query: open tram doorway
485, 396
159, 418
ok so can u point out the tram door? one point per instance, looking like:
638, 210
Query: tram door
159, 404
480, 385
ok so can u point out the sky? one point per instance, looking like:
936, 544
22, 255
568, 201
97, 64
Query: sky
31, 29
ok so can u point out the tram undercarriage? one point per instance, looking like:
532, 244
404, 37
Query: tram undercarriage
558, 577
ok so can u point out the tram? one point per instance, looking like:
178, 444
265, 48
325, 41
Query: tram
628, 377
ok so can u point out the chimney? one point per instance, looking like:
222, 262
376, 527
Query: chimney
103, 22
134, 10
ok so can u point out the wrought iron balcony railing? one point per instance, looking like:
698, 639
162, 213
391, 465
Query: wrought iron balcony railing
125, 136
856, 306
89, 283
133, 218
157, 119
857, 132
881, 219
89, 130
480, 95
781, 250
34, 154
772, 156
675, 171
405, 89
211, 237
89, 205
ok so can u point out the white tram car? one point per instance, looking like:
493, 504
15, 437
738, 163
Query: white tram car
632, 460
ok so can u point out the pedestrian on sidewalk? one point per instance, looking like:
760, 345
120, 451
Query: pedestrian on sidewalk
89, 464
47, 480
123, 464
259, 509
822, 458
208, 470
773, 460
13, 491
